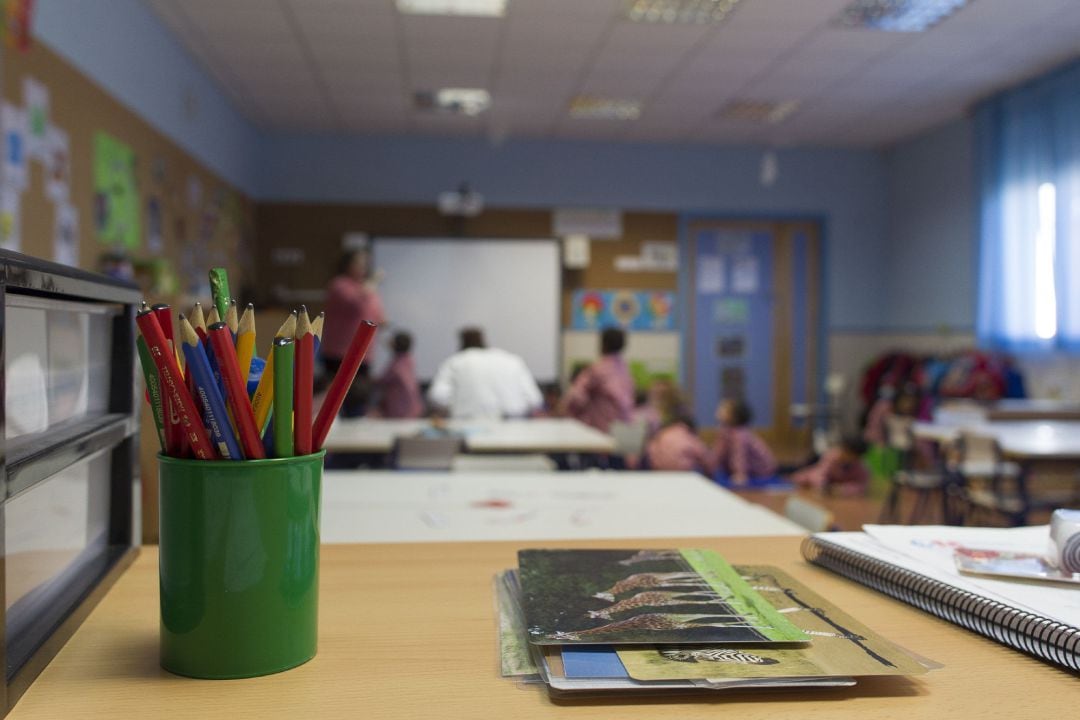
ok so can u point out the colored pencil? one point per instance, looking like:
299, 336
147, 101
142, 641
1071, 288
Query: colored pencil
245, 341
219, 288
232, 319
316, 330
153, 390
235, 390
213, 317
174, 432
339, 387
303, 385
207, 395
173, 385
284, 353
262, 400
198, 321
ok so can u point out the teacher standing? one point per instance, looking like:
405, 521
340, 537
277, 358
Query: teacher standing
351, 298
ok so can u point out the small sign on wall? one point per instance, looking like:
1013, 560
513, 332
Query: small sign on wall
597, 223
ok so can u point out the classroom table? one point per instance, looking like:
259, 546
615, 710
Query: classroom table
534, 435
397, 506
408, 631
1033, 409
1054, 440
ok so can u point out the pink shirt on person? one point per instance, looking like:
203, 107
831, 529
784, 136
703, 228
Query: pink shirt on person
400, 389
677, 447
602, 393
738, 452
348, 303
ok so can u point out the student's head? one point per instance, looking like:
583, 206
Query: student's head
682, 418
734, 413
401, 343
471, 337
612, 341
853, 447
354, 263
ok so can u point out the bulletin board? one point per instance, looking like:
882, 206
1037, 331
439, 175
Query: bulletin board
123, 187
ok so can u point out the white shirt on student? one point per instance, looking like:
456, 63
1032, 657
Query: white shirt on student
485, 383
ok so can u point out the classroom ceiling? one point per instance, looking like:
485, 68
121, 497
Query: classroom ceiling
354, 66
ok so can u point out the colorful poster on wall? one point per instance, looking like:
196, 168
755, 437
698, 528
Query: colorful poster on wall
13, 124
10, 234
36, 102
628, 309
66, 235
116, 198
57, 165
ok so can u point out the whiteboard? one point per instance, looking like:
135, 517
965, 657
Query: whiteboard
510, 288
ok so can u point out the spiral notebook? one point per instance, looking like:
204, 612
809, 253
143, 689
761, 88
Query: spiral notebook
915, 565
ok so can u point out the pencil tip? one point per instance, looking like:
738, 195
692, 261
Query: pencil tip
251, 306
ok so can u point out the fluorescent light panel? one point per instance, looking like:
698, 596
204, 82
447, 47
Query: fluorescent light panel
454, 101
462, 8
898, 15
587, 107
693, 12
759, 111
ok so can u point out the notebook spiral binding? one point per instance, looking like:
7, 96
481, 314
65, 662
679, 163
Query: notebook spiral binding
1034, 634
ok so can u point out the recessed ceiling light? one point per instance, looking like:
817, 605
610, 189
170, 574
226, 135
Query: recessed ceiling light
454, 101
898, 15
759, 111
587, 107
697, 12
465, 8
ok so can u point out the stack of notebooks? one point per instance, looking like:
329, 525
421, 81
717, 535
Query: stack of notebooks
614, 621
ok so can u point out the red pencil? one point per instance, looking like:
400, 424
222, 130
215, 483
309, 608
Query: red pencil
174, 431
172, 383
340, 386
303, 384
236, 391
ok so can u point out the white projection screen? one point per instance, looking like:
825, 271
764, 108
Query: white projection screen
510, 288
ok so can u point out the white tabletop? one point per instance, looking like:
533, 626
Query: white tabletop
539, 435
1022, 440
389, 506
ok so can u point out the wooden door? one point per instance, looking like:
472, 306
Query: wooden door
753, 323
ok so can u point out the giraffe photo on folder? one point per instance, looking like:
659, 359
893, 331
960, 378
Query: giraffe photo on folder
643, 596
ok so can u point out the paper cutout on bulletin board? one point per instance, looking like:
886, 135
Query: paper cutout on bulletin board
745, 275
710, 274
66, 235
116, 198
628, 309
36, 107
731, 311
13, 122
10, 232
16, 23
57, 165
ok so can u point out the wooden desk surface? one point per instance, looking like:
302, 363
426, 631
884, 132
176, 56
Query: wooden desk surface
408, 631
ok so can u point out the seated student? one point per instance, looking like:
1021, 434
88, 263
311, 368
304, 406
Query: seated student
676, 446
400, 391
840, 471
662, 405
604, 391
481, 383
740, 458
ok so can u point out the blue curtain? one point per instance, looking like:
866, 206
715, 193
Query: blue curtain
1024, 138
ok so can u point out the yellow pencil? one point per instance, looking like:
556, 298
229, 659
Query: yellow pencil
231, 319
263, 399
245, 340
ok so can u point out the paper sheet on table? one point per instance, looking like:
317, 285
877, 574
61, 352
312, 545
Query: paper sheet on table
928, 550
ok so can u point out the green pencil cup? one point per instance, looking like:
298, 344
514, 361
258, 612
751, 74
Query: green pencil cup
239, 565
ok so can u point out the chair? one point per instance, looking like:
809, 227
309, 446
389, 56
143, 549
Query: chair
425, 453
629, 436
809, 515
995, 486
916, 477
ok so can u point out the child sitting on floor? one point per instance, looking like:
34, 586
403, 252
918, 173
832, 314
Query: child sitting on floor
677, 447
741, 458
840, 471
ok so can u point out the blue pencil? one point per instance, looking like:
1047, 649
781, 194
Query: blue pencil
207, 394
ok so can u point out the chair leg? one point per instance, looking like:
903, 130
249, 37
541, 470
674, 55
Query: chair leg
889, 508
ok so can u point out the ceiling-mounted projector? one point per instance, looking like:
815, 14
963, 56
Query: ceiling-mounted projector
462, 202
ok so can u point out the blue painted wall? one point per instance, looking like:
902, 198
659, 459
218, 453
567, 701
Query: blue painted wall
123, 47
932, 230
847, 188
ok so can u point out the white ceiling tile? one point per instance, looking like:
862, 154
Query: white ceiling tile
278, 59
